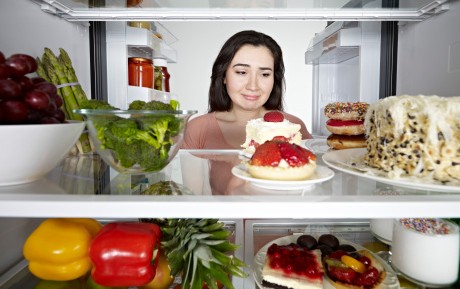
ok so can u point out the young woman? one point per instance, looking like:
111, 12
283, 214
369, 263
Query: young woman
247, 81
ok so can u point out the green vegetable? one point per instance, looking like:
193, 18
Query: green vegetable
69, 71
145, 140
151, 105
96, 104
60, 72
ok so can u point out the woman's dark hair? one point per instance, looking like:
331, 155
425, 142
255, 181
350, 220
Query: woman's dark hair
219, 100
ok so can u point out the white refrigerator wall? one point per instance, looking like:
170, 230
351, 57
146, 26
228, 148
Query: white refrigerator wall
199, 43
429, 55
24, 28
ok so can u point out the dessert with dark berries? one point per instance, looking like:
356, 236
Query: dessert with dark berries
356, 270
292, 266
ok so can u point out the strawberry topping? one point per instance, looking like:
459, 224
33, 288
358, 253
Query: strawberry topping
266, 154
273, 116
271, 152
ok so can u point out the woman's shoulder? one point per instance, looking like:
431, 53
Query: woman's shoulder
202, 119
292, 118
303, 128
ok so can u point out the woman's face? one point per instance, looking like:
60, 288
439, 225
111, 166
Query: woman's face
250, 77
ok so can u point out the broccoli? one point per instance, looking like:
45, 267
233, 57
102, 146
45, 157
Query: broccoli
96, 104
143, 141
151, 105
120, 137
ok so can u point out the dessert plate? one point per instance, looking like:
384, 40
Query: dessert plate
351, 161
390, 281
321, 174
316, 145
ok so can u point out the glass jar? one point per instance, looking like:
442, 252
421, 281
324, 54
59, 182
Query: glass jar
161, 75
140, 72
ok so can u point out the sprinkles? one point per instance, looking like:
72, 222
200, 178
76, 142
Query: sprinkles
426, 226
344, 107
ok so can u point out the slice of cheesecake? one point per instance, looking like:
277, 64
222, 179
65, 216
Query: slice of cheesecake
291, 266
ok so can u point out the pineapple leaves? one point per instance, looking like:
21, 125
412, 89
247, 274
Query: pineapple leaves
199, 251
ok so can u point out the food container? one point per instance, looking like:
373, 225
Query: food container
140, 24
382, 229
30, 151
426, 251
140, 72
161, 75
137, 141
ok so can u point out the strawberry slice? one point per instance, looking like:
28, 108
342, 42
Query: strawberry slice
273, 116
267, 154
295, 155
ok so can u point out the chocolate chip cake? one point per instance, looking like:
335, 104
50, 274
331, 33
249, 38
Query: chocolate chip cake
415, 136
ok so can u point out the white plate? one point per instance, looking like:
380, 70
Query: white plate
321, 174
316, 145
390, 282
351, 161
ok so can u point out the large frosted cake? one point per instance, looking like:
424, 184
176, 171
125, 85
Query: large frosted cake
415, 136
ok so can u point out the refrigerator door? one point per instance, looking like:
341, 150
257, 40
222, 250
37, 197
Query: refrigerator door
346, 67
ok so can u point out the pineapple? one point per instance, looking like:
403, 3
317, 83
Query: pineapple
197, 249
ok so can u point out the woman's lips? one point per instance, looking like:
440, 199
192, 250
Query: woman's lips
251, 97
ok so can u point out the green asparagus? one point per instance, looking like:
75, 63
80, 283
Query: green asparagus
71, 76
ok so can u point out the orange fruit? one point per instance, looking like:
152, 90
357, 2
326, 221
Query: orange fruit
354, 264
163, 278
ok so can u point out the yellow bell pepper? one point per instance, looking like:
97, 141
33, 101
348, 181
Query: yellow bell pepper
58, 248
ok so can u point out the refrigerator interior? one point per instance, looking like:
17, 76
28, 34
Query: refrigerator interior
345, 58
428, 63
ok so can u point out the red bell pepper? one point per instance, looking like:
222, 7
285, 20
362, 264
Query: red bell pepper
125, 254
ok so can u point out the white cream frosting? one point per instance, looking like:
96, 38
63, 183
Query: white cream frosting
415, 135
260, 131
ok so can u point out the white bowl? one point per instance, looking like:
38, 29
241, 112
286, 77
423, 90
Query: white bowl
30, 151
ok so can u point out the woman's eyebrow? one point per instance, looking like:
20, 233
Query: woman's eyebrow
247, 65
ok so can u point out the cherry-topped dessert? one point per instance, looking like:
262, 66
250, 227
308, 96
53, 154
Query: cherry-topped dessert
357, 269
292, 266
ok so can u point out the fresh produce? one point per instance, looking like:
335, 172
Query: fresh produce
163, 278
143, 140
198, 249
167, 188
57, 249
125, 254
150, 105
27, 100
59, 70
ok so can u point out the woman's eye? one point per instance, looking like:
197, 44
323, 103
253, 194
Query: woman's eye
241, 72
267, 74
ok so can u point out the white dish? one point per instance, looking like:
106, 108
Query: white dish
30, 151
351, 161
321, 174
316, 145
390, 282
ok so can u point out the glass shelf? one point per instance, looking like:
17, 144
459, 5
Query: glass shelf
83, 186
76, 10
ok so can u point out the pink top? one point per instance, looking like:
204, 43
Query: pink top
203, 132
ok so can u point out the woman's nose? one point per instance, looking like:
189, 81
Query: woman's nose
252, 83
